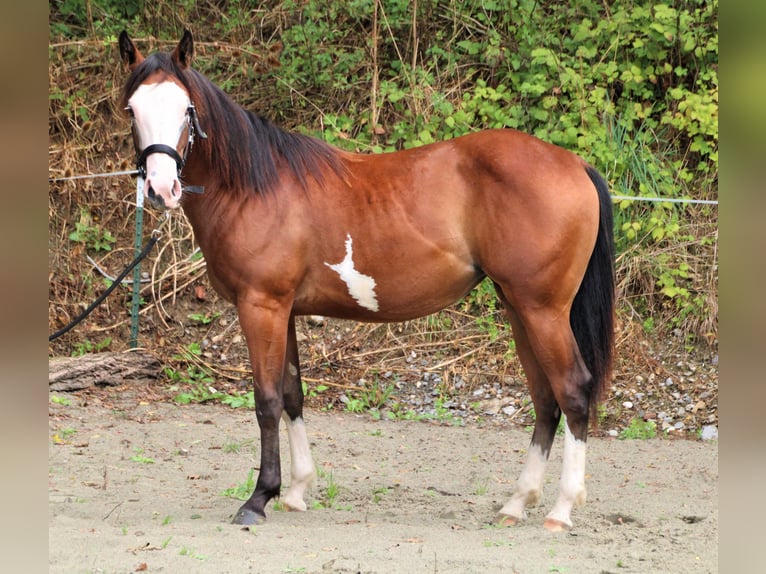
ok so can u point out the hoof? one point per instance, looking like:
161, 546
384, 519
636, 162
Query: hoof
247, 517
506, 520
295, 506
553, 525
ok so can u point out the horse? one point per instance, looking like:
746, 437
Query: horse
290, 226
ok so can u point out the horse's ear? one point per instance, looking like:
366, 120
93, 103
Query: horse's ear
128, 51
184, 52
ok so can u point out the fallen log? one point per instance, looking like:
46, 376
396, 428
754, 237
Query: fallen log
100, 369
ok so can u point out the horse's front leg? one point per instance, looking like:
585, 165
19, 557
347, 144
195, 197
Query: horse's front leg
264, 323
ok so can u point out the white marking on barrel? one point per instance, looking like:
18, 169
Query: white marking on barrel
361, 287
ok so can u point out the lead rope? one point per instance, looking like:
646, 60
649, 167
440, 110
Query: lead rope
155, 237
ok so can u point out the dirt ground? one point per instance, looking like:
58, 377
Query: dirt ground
137, 485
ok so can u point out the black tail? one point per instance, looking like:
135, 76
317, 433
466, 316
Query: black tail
592, 315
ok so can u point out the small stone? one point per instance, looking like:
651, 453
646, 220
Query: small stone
613, 433
627, 405
709, 432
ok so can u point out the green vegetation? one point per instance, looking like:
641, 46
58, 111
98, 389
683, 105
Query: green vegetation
328, 492
632, 87
196, 380
91, 234
243, 490
204, 318
639, 429
86, 346
64, 401
139, 457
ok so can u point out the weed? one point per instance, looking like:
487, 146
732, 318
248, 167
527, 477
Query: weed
331, 491
241, 491
379, 493
186, 551
482, 487
65, 401
63, 435
139, 457
90, 234
198, 382
204, 318
85, 347
312, 392
234, 447
278, 505
245, 400
370, 399
639, 429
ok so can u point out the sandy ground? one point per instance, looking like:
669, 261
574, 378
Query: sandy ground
138, 487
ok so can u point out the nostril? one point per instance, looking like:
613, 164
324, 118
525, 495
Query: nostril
154, 198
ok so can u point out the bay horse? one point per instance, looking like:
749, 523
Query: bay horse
290, 225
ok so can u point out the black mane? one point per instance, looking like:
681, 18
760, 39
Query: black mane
244, 151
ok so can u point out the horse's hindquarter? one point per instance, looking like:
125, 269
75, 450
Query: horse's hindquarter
535, 215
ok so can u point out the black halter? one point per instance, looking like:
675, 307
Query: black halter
193, 127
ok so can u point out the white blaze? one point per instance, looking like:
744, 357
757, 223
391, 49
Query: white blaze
159, 112
361, 287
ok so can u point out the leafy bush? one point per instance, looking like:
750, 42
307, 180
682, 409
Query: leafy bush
631, 86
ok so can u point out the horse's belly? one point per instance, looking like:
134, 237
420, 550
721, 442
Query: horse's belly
387, 295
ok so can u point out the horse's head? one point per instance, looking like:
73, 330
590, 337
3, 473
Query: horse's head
163, 117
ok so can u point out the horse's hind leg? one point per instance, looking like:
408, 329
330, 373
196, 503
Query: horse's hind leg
559, 382
530, 483
301, 463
